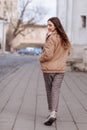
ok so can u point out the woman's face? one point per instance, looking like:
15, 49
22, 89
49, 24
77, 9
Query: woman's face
50, 26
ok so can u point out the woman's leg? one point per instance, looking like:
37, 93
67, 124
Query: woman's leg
53, 83
48, 84
56, 84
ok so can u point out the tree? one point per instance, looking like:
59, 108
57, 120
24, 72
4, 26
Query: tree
27, 15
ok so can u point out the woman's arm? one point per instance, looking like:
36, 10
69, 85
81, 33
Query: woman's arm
48, 50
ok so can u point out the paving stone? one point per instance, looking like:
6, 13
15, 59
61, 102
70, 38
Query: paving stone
66, 126
23, 101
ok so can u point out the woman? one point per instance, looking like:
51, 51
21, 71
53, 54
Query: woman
53, 64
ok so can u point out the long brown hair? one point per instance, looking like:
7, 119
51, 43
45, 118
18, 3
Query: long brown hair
65, 41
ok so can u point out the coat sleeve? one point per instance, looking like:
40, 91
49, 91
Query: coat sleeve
48, 50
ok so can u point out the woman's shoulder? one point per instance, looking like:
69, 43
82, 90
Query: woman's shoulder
55, 36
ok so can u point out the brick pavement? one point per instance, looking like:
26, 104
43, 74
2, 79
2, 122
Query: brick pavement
23, 104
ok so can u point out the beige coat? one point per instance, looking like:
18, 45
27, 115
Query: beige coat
53, 58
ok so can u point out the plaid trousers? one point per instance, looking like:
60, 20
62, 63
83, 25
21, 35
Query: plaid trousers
53, 84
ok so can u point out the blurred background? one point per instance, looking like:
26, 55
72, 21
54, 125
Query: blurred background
23, 25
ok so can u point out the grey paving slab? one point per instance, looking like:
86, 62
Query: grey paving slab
12, 107
9, 89
63, 112
77, 86
25, 126
82, 126
23, 102
26, 116
5, 125
6, 80
66, 126
75, 108
80, 81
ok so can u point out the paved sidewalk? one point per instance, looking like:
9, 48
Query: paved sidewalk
23, 104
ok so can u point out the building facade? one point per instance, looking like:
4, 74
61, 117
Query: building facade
33, 36
8, 14
9, 9
73, 14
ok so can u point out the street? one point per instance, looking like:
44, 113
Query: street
23, 103
11, 63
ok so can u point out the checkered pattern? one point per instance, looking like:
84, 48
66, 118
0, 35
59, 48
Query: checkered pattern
53, 84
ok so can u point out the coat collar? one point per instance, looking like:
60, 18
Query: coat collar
50, 33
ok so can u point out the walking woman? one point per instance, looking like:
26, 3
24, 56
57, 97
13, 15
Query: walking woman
53, 64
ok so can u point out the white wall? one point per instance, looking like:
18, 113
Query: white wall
70, 12
62, 7
79, 34
68, 21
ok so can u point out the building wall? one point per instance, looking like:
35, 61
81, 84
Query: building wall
34, 35
71, 12
79, 32
8, 13
62, 6
8, 9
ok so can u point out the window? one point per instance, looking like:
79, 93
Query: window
83, 18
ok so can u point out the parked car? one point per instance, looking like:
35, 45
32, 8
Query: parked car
23, 51
30, 51
37, 51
